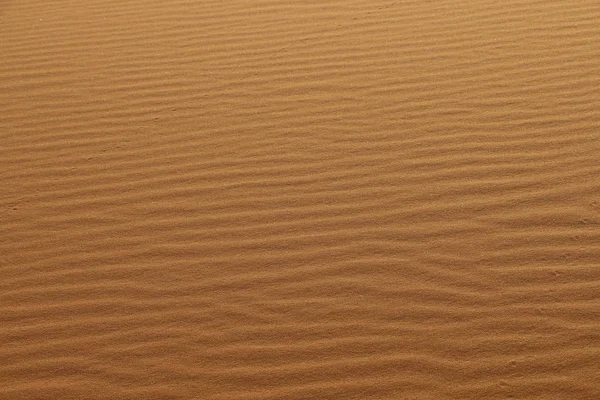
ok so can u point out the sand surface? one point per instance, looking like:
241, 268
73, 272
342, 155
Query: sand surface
277, 200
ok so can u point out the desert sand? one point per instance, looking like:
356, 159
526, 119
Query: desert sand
277, 200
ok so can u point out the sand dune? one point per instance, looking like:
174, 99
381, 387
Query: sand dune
361, 199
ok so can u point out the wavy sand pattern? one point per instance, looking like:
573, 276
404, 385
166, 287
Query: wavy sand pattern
269, 199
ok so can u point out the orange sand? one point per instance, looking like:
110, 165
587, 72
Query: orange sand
276, 200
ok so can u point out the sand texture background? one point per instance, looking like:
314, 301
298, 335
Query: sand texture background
277, 200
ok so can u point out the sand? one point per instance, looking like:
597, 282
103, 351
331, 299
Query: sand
269, 199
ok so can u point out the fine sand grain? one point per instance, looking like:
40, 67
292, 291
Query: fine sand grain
277, 200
